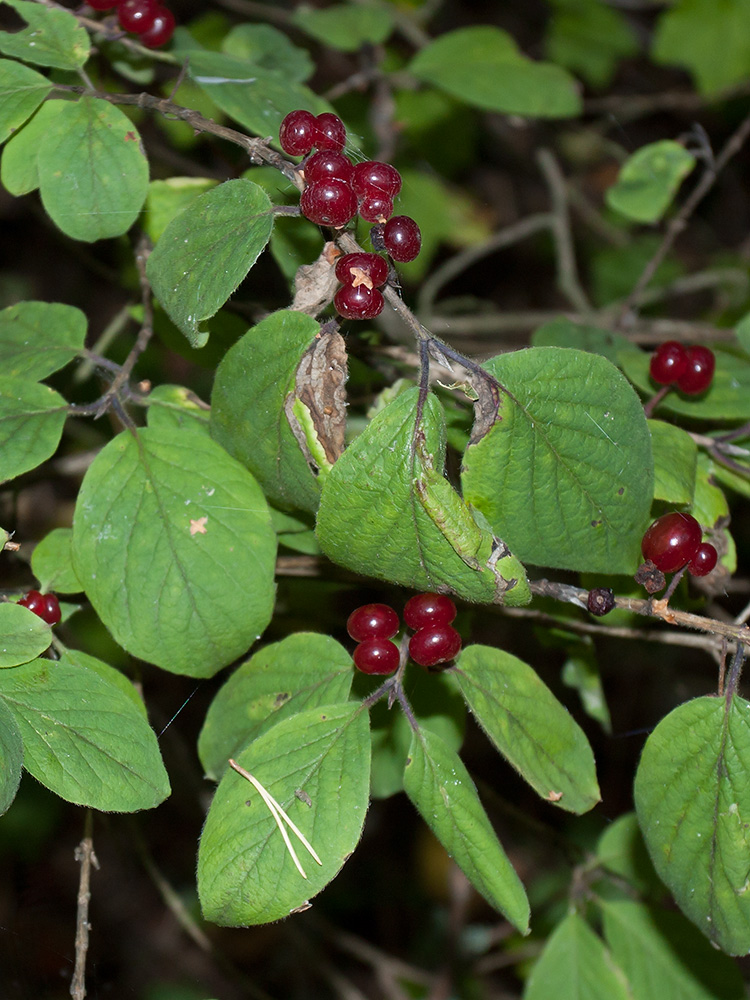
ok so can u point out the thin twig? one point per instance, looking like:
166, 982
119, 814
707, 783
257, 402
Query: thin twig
84, 853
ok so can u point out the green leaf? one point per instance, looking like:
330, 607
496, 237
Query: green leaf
316, 765
19, 170
52, 37
614, 270
529, 726
621, 850
742, 332
31, 424
93, 174
441, 788
175, 406
575, 965
83, 738
165, 521
23, 635
387, 511
589, 38
482, 66
345, 26
564, 475
561, 332
38, 338
11, 758
649, 180
270, 49
303, 671
206, 251
675, 457
52, 563
664, 956
581, 672
253, 395
166, 199
22, 90
727, 398
709, 38
692, 795
75, 658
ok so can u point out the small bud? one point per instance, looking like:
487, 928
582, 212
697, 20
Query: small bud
600, 601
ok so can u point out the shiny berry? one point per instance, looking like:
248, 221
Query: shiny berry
297, 132
376, 208
358, 303
328, 165
429, 609
668, 362
434, 644
402, 238
137, 15
372, 621
699, 372
45, 606
600, 601
704, 560
671, 541
349, 266
160, 31
329, 203
375, 178
376, 656
329, 132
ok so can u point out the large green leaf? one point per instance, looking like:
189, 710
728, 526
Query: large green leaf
483, 66
251, 405
649, 180
441, 788
316, 765
31, 424
11, 757
82, 661
692, 795
675, 459
37, 338
575, 965
22, 90
173, 543
19, 170
300, 672
207, 250
386, 510
167, 198
564, 474
664, 956
23, 635
83, 738
52, 36
529, 726
346, 26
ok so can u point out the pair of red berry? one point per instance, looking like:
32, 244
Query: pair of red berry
362, 275
149, 19
46, 606
691, 369
674, 541
434, 641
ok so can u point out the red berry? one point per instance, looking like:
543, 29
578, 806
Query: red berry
297, 132
434, 644
429, 609
103, 4
329, 203
329, 132
402, 238
160, 31
137, 15
376, 656
358, 303
699, 372
377, 179
704, 560
328, 165
671, 541
372, 621
375, 208
45, 606
371, 263
668, 362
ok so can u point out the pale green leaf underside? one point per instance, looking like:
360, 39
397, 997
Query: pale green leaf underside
11, 757
31, 424
38, 338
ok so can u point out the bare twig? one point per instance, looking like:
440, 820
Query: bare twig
84, 853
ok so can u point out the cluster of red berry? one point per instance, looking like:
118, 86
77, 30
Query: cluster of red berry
362, 275
674, 541
434, 641
46, 606
689, 368
149, 19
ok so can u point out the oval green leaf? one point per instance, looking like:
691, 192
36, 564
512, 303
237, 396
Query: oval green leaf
19, 171
649, 179
675, 461
316, 765
38, 338
529, 726
52, 563
565, 473
11, 757
345, 26
269, 48
23, 635
206, 251
22, 90
173, 543
52, 36
32, 417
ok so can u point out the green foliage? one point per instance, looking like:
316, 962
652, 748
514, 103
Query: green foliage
346, 26
649, 180
38, 338
22, 90
589, 38
31, 424
51, 37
